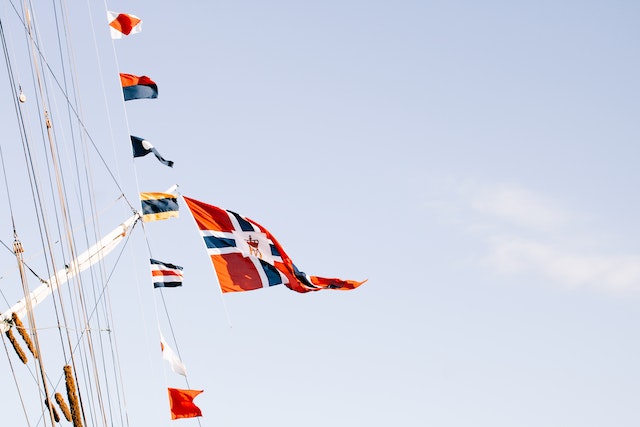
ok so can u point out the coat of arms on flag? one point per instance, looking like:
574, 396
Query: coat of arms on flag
246, 256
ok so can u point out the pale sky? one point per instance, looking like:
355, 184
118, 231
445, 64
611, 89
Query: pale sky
475, 161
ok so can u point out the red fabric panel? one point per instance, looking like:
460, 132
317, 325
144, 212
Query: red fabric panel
181, 403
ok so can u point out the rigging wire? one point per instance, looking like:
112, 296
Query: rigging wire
15, 380
74, 111
91, 204
147, 240
10, 207
18, 254
33, 179
40, 84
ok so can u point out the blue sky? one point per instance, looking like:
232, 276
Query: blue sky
476, 162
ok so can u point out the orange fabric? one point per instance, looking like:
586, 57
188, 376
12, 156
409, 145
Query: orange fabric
125, 23
130, 80
236, 273
181, 403
339, 284
238, 268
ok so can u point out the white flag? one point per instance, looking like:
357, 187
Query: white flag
167, 354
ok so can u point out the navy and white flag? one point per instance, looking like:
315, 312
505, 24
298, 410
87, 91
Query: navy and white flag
165, 275
141, 147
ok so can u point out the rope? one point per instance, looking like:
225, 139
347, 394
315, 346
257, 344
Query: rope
59, 178
15, 381
147, 240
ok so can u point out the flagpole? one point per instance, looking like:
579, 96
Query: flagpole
224, 305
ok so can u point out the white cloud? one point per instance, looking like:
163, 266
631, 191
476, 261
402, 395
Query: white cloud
530, 234
513, 255
519, 206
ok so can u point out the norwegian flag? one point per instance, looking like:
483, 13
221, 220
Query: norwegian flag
246, 256
165, 275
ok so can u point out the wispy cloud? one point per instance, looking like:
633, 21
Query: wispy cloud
518, 206
513, 255
527, 233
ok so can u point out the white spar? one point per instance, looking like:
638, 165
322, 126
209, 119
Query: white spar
85, 260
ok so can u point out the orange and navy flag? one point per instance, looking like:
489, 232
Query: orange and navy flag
158, 206
246, 256
181, 403
123, 24
138, 87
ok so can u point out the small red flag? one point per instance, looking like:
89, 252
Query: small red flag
181, 403
123, 24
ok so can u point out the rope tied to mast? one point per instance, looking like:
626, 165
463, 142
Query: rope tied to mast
19, 351
72, 396
53, 409
23, 333
63, 406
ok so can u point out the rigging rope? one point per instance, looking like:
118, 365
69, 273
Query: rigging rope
36, 187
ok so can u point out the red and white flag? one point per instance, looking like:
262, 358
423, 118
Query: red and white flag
174, 361
123, 24
246, 256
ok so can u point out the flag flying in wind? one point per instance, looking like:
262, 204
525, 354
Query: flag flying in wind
181, 403
165, 275
167, 354
138, 87
123, 24
141, 147
246, 256
157, 206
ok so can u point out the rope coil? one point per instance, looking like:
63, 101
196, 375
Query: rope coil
23, 333
63, 406
52, 408
72, 396
16, 346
